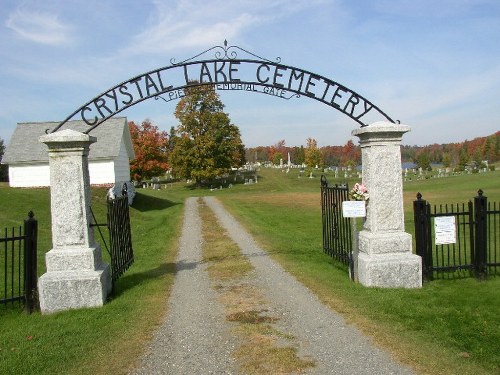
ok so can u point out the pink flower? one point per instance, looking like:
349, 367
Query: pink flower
359, 192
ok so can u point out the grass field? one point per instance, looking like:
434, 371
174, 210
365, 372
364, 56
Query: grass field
447, 327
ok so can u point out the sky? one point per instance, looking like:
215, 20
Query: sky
432, 65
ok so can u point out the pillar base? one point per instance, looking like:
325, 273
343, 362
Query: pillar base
384, 243
395, 270
73, 259
64, 290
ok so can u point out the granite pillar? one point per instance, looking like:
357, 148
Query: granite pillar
76, 276
384, 257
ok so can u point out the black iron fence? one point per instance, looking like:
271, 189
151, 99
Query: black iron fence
337, 233
18, 262
122, 255
458, 240
120, 238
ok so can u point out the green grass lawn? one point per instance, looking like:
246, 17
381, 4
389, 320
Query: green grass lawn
448, 326
93, 341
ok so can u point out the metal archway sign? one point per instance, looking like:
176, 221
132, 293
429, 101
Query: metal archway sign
226, 71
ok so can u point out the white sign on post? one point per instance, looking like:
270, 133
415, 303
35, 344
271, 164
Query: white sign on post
444, 230
353, 209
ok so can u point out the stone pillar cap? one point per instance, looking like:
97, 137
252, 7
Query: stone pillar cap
67, 135
382, 127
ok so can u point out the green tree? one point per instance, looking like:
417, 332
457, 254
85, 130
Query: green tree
491, 149
463, 159
299, 155
207, 145
446, 160
478, 159
277, 158
423, 161
151, 151
171, 139
3, 168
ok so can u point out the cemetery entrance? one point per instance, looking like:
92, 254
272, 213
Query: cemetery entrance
385, 257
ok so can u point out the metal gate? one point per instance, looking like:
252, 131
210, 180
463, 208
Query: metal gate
475, 248
337, 234
120, 238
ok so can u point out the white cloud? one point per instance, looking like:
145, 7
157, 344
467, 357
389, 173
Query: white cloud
167, 36
426, 99
200, 23
39, 27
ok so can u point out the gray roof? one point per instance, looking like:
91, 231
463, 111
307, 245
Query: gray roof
24, 146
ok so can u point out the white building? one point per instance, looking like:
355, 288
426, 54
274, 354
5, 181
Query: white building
109, 157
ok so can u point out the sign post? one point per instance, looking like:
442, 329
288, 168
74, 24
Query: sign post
353, 210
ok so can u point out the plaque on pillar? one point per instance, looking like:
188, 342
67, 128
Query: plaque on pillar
353, 209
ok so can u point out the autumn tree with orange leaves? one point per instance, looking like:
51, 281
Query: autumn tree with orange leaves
151, 151
278, 152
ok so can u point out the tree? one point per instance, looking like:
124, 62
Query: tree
463, 159
423, 161
277, 158
312, 153
256, 154
3, 168
299, 155
477, 159
207, 145
151, 151
171, 139
490, 149
351, 154
278, 148
446, 160
332, 155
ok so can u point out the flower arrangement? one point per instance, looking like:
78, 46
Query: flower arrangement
359, 192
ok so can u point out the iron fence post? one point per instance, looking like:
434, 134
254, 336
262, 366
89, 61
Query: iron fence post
30, 262
422, 235
481, 235
353, 254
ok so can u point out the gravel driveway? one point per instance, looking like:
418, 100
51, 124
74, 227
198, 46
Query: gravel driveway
195, 337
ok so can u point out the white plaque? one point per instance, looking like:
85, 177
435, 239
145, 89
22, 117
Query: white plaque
444, 230
353, 208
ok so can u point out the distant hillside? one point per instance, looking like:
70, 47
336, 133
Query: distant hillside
478, 149
450, 154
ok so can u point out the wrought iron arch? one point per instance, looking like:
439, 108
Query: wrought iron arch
226, 71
